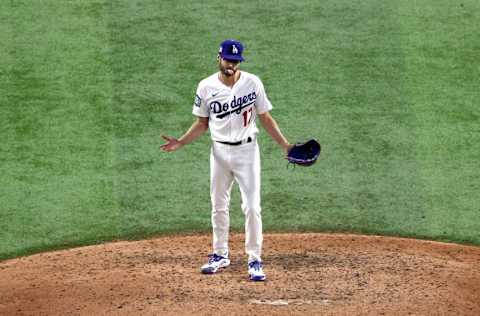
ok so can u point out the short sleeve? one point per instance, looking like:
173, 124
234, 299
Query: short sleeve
199, 106
262, 102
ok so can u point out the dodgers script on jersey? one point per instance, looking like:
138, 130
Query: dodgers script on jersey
231, 111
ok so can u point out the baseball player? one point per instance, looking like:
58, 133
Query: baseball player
229, 103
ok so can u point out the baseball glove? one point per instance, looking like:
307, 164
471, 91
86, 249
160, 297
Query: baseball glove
304, 154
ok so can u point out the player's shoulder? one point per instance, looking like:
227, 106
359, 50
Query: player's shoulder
206, 85
252, 79
250, 76
209, 81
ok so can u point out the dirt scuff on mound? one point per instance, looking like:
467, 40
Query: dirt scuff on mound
308, 274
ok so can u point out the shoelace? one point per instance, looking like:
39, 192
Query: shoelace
213, 257
255, 265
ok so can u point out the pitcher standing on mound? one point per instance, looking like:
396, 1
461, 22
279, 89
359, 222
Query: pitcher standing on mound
229, 102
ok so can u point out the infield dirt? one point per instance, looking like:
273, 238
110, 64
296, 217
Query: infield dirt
308, 274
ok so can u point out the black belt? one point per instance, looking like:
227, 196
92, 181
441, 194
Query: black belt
248, 140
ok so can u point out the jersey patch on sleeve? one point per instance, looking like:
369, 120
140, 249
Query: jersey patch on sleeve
198, 100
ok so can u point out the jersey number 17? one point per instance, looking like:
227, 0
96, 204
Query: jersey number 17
247, 117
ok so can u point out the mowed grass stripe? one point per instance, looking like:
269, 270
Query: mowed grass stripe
369, 183
56, 186
153, 89
443, 87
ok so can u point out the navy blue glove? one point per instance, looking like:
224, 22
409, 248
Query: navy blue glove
304, 154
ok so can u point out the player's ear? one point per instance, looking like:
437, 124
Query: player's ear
218, 58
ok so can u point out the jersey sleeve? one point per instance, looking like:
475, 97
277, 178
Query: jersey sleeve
262, 103
199, 106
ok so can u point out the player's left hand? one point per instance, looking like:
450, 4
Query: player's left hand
305, 154
287, 148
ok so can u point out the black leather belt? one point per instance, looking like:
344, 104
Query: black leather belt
248, 140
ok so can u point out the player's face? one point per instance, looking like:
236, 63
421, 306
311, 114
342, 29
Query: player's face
228, 67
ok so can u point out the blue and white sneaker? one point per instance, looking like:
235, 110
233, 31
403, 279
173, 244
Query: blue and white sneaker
215, 262
255, 271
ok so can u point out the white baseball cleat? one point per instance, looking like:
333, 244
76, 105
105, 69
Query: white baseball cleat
255, 271
215, 262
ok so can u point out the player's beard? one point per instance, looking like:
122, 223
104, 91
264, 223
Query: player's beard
227, 71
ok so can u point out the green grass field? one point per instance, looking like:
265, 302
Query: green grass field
390, 88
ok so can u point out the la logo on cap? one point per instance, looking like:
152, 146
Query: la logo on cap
231, 50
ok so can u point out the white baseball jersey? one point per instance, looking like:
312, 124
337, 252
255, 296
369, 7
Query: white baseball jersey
231, 111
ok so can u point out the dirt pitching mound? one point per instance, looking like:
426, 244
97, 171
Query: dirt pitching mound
308, 274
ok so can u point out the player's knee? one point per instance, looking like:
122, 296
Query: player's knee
220, 210
251, 209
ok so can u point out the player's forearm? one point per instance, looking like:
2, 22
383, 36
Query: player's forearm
273, 130
195, 131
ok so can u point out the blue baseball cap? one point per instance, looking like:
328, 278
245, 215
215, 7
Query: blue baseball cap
231, 50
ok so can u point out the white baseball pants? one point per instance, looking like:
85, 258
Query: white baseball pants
241, 164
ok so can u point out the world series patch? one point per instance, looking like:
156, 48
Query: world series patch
198, 100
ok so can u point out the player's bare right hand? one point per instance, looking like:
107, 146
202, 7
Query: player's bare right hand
172, 144
286, 149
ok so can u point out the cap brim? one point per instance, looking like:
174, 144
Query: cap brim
232, 57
